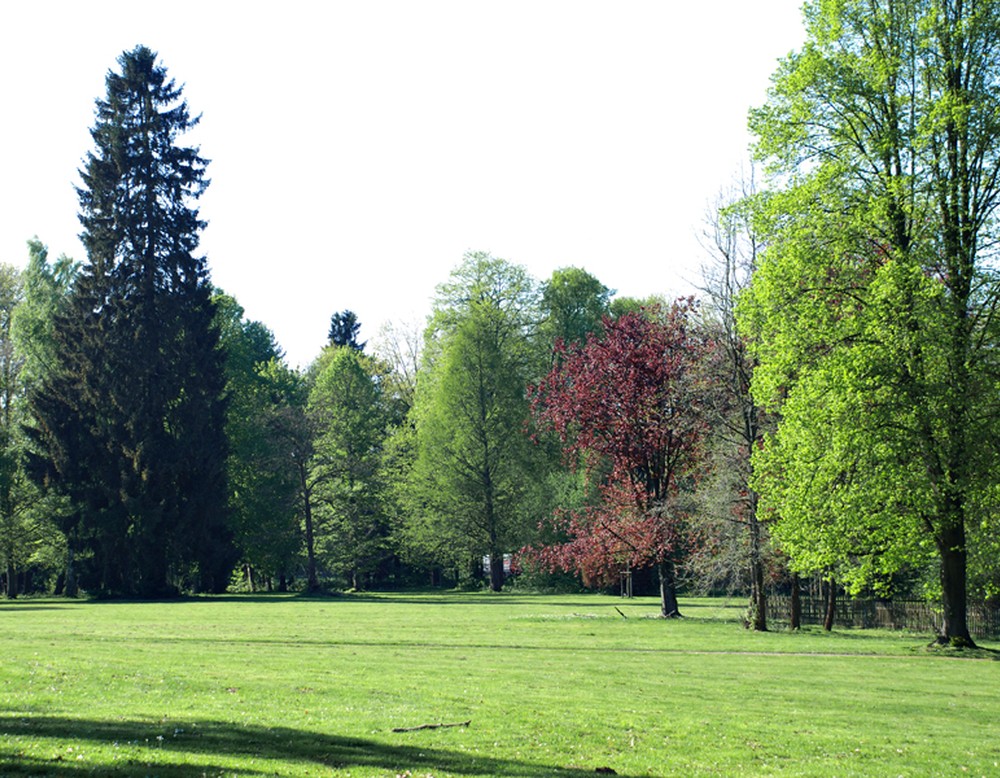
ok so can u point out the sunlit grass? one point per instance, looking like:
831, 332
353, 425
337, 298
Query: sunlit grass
550, 685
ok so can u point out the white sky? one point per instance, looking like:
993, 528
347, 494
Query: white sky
360, 148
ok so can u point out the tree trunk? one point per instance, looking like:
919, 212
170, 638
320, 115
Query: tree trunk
668, 590
312, 582
72, 590
955, 624
831, 604
757, 620
795, 620
496, 571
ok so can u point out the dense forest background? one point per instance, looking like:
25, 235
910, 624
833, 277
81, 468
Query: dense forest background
825, 407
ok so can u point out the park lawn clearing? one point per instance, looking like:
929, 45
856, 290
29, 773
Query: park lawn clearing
529, 686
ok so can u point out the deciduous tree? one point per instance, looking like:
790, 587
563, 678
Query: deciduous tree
261, 472
20, 529
573, 306
874, 303
736, 418
350, 418
628, 403
474, 461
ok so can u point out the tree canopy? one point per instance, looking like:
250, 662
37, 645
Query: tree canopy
873, 305
130, 420
473, 460
628, 402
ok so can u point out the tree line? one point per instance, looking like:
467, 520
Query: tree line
824, 408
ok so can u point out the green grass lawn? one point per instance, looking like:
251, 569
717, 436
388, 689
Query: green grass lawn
551, 686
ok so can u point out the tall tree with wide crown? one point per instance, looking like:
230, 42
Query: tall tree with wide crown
874, 304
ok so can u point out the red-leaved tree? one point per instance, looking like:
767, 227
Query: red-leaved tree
626, 404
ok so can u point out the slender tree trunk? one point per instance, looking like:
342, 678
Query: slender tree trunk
668, 590
496, 555
758, 597
831, 604
11, 582
312, 582
795, 620
71, 588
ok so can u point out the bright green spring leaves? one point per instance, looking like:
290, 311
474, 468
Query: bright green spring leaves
846, 471
873, 307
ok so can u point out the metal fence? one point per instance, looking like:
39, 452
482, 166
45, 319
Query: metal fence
912, 615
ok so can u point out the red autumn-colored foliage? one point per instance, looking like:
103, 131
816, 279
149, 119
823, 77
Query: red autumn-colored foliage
626, 403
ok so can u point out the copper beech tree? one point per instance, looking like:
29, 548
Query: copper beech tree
625, 405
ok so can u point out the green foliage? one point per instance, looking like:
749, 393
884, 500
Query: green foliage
873, 305
129, 422
622, 306
344, 328
262, 477
27, 537
350, 417
46, 289
573, 305
473, 458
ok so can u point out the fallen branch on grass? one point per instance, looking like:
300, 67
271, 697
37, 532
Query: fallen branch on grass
432, 726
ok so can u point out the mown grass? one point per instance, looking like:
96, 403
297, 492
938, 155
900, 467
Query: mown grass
551, 686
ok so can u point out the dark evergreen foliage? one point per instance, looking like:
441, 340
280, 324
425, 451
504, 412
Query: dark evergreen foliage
131, 418
344, 327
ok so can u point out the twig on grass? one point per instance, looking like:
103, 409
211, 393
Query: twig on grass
432, 726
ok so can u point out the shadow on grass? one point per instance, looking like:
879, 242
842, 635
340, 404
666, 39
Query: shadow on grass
146, 748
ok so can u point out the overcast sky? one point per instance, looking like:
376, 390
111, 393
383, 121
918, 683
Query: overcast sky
359, 149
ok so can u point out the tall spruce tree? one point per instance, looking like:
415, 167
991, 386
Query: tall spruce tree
131, 420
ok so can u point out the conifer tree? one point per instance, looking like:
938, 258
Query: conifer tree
344, 328
131, 420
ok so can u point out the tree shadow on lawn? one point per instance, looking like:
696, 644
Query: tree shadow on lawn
148, 743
